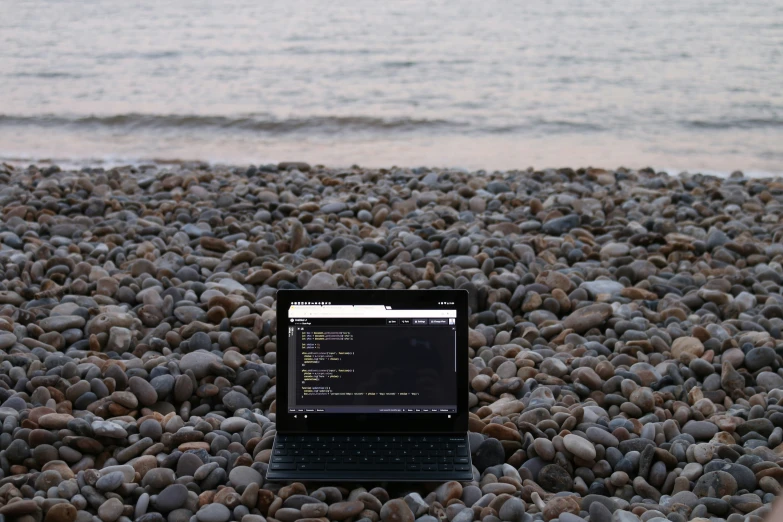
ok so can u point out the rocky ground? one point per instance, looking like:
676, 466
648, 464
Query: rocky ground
625, 344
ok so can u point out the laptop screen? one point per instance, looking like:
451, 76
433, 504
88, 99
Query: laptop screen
372, 359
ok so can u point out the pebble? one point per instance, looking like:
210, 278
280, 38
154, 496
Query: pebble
171, 498
213, 513
580, 447
61, 513
700, 430
110, 510
396, 510
343, 510
489, 453
555, 478
512, 510
110, 481
715, 484
625, 328
242, 476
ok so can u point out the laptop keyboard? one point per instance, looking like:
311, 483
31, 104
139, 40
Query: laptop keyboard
421, 453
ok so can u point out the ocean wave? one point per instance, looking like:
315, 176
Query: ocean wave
48, 75
252, 123
549, 126
742, 123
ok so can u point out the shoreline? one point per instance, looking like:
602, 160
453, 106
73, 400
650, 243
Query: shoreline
109, 163
625, 337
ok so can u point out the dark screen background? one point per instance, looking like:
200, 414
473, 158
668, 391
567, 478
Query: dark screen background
392, 359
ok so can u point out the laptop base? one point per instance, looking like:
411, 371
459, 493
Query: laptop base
370, 457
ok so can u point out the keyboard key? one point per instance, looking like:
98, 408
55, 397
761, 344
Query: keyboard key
283, 459
391, 467
443, 466
461, 467
310, 466
429, 467
280, 466
344, 466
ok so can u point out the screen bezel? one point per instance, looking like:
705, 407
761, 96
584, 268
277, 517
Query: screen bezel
373, 422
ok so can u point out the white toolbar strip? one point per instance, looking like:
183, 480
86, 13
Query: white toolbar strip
370, 311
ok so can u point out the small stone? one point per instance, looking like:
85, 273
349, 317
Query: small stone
61, 513
198, 362
151, 428
110, 510
448, 491
314, 510
171, 498
187, 465
147, 396
234, 400
555, 479
687, 345
599, 287
588, 317
244, 339
769, 381
758, 358
322, 281
512, 510
19, 508
54, 421
110, 481
489, 453
580, 447
242, 476
158, 478
343, 510
700, 430
213, 513
599, 513
559, 505
395, 510
561, 225
715, 484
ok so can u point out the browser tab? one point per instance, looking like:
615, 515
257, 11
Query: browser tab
312, 310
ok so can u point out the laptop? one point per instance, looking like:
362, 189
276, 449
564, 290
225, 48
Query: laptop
372, 385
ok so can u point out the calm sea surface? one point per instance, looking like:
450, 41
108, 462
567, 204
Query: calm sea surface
694, 85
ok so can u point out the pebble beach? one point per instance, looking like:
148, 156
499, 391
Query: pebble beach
625, 338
